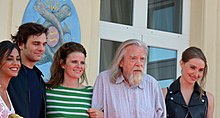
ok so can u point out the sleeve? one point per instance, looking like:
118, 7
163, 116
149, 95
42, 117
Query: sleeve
160, 107
98, 93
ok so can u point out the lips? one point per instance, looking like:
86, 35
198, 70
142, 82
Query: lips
137, 70
77, 71
38, 54
193, 78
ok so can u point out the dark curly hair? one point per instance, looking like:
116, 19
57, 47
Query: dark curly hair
26, 30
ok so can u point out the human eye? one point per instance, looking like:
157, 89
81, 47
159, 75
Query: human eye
18, 58
192, 67
142, 59
74, 61
133, 58
82, 62
201, 70
9, 59
44, 44
35, 43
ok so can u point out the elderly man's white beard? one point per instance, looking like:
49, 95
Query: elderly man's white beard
135, 79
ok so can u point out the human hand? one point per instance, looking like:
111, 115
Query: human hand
95, 113
14, 116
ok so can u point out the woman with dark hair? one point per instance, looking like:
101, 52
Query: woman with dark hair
185, 97
66, 95
9, 67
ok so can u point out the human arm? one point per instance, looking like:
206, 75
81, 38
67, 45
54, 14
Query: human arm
95, 113
160, 103
98, 94
210, 105
164, 90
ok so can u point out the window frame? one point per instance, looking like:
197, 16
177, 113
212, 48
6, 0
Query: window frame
155, 38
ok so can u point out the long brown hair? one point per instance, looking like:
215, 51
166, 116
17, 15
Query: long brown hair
57, 72
194, 52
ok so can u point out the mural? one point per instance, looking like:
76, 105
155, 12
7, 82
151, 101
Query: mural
61, 18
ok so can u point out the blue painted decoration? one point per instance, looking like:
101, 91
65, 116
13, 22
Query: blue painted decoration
61, 18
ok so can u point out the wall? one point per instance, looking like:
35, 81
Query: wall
205, 34
6, 18
88, 13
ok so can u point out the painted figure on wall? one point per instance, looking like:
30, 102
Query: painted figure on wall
61, 18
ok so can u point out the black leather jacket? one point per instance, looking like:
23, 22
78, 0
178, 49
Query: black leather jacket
177, 108
19, 93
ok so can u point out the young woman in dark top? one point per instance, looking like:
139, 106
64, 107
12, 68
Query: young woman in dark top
185, 97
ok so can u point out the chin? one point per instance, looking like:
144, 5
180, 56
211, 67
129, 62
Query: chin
14, 75
37, 59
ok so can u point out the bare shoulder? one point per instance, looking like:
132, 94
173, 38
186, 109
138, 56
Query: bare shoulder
210, 105
164, 90
210, 96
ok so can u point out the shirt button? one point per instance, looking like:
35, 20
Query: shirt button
171, 91
171, 98
203, 100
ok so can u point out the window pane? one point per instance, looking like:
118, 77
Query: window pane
162, 63
107, 52
165, 15
117, 11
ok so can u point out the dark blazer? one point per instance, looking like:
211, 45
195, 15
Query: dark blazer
19, 93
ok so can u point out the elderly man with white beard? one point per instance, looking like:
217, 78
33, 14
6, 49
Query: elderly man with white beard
124, 91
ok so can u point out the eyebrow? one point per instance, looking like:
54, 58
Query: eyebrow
39, 42
196, 66
13, 56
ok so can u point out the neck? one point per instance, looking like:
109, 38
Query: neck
71, 83
4, 83
26, 62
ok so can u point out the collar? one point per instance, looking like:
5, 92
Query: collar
121, 79
175, 86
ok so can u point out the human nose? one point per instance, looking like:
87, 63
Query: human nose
197, 73
16, 62
139, 62
42, 47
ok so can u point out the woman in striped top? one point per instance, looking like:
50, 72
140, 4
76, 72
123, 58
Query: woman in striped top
66, 96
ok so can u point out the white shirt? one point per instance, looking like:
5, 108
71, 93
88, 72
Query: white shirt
4, 110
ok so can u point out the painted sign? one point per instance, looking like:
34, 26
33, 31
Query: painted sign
62, 20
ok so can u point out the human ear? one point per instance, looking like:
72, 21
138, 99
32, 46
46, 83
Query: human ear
121, 63
181, 63
21, 46
62, 63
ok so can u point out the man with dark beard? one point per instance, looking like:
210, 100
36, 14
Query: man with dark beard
125, 91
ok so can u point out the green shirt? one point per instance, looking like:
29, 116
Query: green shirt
68, 102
